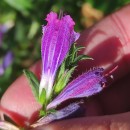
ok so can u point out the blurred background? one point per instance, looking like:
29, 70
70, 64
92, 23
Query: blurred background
20, 29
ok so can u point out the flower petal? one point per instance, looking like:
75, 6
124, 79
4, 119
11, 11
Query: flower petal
58, 35
84, 86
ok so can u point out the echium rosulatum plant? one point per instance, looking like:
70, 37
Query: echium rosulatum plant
59, 60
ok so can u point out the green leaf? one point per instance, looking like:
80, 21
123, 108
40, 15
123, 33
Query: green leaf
33, 29
20, 5
42, 97
34, 83
63, 80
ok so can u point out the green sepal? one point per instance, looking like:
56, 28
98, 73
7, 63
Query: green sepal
34, 83
42, 97
78, 48
51, 111
75, 51
42, 113
63, 80
67, 68
61, 70
81, 57
73, 58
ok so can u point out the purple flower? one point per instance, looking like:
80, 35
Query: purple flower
57, 115
85, 85
58, 36
3, 29
7, 60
